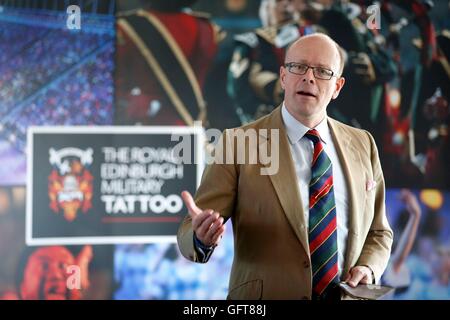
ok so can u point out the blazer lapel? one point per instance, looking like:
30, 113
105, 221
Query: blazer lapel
286, 187
285, 181
352, 167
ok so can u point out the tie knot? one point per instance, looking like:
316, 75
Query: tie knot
313, 135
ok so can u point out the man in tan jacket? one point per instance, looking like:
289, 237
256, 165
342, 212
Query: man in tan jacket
288, 245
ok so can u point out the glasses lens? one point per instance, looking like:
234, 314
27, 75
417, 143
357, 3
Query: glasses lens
298, 68
322, 73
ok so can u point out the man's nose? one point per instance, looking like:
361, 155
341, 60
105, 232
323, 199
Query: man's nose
309, 76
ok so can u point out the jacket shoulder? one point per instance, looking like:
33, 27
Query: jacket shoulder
204, 18
268, 33
352, 131
200, 14
265, 122
249, 38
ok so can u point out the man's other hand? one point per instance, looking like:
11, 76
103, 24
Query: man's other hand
359, 275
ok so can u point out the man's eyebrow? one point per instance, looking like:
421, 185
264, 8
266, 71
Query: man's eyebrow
313, 65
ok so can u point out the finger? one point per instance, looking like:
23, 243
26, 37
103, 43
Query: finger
365, 280
218, 235
360, 60
362, 72
357, 275
210, 238
347, 277
363, 56
190, 204
206, 224
200, 218
86, 253
212, 231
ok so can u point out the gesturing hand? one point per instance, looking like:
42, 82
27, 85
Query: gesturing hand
359, 274
207, 225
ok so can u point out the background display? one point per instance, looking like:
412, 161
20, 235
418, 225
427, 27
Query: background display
215, 64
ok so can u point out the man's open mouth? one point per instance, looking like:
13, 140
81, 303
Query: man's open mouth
306, 93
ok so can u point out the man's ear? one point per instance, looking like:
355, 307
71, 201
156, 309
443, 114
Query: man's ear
282, 76
339, 84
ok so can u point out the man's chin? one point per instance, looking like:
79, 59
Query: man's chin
307, 106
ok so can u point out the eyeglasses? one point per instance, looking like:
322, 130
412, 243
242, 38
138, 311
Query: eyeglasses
301, 69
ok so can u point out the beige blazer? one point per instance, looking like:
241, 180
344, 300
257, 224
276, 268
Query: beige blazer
272, 259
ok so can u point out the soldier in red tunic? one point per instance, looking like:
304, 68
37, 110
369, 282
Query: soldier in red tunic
163, 56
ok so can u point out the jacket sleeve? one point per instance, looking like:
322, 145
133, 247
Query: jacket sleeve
217, 191
377, 247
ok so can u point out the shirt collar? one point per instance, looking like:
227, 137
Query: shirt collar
296, 130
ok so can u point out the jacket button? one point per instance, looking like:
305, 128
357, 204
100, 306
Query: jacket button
306, 264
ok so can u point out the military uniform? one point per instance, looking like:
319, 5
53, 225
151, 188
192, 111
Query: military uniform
162, 62
360, 101
254, 72
432, 118
406, 149
253, 76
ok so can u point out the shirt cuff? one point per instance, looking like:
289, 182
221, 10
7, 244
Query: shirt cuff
373, 274
203, 252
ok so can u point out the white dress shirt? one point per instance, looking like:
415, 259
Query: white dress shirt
302, 150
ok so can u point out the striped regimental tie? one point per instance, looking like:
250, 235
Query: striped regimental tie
322, 219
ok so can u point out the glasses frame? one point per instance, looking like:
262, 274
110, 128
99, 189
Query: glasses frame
289, 65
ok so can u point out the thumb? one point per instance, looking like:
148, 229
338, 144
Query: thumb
347, 277
82, 260
190, 204
85, 255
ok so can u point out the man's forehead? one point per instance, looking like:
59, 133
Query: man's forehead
314, 62
319, 53
318, 45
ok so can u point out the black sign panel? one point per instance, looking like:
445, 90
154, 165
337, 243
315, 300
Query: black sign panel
106, 185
